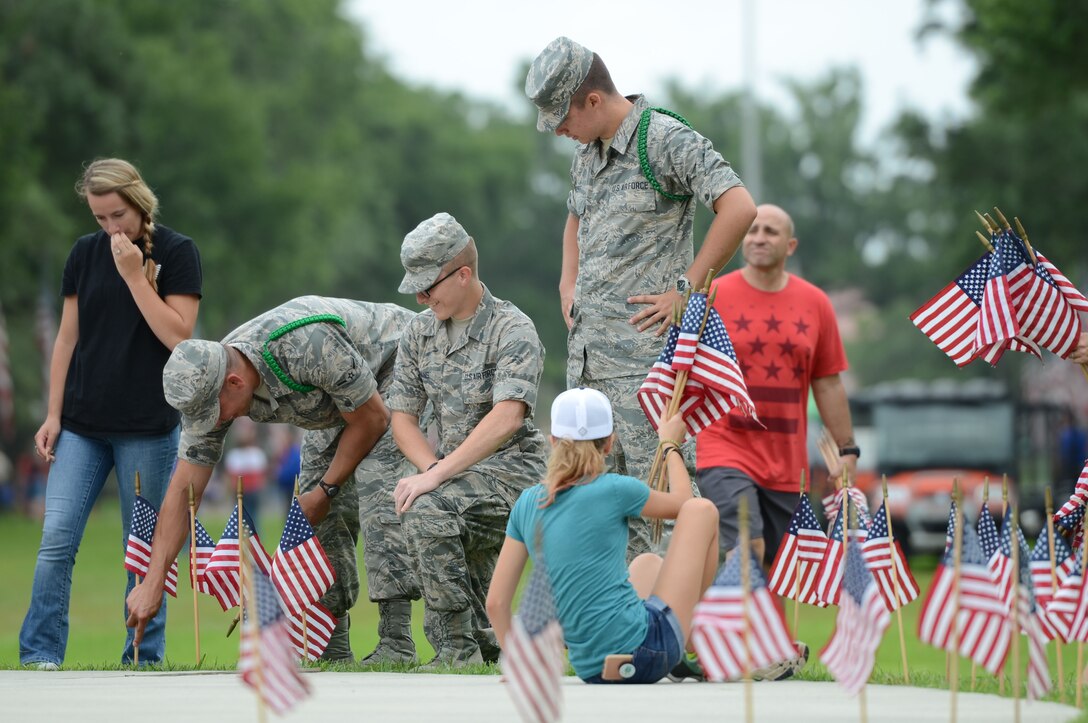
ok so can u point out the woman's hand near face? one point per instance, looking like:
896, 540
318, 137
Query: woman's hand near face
128, 257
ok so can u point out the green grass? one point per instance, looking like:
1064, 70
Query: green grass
96, 618
97, 625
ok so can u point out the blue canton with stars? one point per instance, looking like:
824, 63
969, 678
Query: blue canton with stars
1073, 519
296, 530
716, 336
973, 280
803, 518
987, 532
856, 578
729, 575
1041, 553
143, 519
972, 552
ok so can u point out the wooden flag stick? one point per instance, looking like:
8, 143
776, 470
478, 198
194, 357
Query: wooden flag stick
985, 241
305, 630
985, 503
247, 590
957, 556
797, 569
1004, 509
849, 519
1015, 613
139, 580
192, 570
1054, 588
985, 223
660, 482
895, 581
745, 587
1004, 495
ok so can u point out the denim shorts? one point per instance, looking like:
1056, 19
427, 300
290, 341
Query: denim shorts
659, 651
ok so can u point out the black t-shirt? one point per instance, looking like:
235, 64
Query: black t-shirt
114, 383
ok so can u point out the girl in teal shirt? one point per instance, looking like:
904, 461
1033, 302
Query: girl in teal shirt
581, 514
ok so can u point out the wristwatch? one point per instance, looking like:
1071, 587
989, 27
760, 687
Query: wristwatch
855, 450
683, 285
329, 490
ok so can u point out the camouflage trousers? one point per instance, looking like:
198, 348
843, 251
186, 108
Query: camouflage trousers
634, 449
365, 502
454, 534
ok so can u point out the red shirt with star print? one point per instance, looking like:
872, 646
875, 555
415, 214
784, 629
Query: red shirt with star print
784, 340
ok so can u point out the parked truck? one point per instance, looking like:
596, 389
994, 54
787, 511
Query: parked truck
925, 436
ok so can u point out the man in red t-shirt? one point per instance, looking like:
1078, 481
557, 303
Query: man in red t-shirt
787, 341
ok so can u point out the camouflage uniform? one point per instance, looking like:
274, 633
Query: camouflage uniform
455, 531
346, 365
631, 241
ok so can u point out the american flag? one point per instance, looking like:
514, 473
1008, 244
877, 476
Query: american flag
862, 619
204, 548
532, 656
1041, 579
1044, 312
830, 580
718, 625
1033, 624
950, 318
222, 570
687, 343
1072, 296
1068, 610
318, 630
716, 367
832, 502
701, 406
1073, 522
877, 550
1076, 500
138, 548
267, 660
982, 622
300, 570
797, 564
997, 315
1000, 562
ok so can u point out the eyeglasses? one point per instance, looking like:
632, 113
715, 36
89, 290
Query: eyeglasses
426, 293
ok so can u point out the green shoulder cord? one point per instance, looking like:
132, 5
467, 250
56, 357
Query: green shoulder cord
286, 328
644, 159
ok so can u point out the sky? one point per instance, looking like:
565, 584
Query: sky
479, 47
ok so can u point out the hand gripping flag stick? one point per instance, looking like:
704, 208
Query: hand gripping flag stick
658, 479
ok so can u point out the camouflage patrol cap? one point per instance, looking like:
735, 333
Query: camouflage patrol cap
427, 248
553, 77
192, 379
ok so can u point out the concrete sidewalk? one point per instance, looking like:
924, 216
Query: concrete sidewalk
110, 697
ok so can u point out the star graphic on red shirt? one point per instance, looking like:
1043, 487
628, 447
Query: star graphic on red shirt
745, 368
742, 323
802, 327
798, 371
757, 346
772, 323
787, 347
772, 370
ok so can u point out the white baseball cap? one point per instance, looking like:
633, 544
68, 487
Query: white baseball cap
581, 414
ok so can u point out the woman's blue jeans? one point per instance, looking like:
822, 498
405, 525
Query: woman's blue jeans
75, 480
